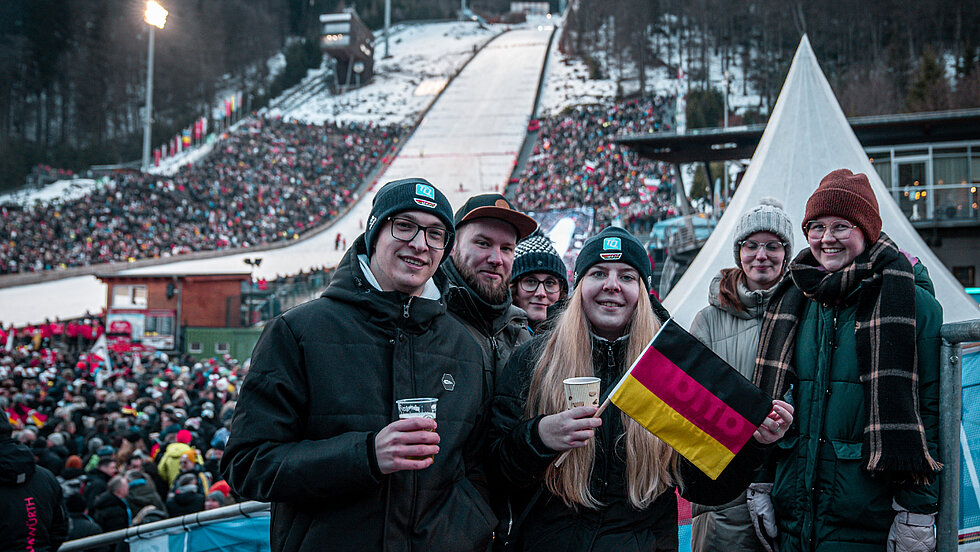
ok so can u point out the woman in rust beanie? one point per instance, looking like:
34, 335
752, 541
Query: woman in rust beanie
851, 337
846, 195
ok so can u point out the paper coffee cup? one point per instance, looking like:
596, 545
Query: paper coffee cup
583, 391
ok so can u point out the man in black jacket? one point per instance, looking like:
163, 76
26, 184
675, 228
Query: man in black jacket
478, 278
98, 480
111, 510
32, 508
316, 430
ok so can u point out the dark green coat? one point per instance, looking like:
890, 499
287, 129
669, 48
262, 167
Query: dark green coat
824, 499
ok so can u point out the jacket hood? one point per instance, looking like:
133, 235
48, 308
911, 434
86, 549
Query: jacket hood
922, 278
466, 302
754, 302
16, 463
383, 308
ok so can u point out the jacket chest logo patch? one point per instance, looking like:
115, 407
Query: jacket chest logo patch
448, 383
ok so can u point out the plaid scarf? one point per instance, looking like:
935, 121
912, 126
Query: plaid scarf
885, 337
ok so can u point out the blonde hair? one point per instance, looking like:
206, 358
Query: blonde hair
651, 465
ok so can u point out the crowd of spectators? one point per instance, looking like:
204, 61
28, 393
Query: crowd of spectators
576, 163
131, 441
74, 336
271, 180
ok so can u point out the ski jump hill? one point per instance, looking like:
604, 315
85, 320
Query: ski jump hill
466, 144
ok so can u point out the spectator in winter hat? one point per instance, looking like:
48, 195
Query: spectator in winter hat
79, 523
222, 486
168, 466
215, 499
539, 278
730, 326
189, 465
615, 489
315, 430
854, 330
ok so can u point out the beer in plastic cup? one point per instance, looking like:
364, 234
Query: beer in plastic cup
417, 408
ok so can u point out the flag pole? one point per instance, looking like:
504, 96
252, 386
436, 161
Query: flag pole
602, 407
610, 393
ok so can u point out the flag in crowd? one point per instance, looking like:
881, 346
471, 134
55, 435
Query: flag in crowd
689, 397
99, 360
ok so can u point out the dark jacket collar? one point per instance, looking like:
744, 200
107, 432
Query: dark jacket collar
384, 308
608, 356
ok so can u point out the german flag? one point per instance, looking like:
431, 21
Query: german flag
689, 397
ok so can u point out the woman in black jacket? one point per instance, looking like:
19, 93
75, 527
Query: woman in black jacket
614, 490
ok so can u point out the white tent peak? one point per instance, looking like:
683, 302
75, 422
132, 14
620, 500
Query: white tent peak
807, 137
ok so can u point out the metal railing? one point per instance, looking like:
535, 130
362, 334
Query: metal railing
950, 391
147, 530
947, 523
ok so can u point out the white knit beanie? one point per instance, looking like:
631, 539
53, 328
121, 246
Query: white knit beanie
768, 216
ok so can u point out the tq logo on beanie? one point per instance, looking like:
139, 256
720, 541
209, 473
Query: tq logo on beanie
425, 191
612, 249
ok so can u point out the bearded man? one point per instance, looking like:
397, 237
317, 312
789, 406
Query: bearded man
478, 278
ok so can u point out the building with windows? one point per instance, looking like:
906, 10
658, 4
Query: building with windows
159, 308
930, 162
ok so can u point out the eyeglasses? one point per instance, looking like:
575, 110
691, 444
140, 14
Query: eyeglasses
752, 246
530, 284
840, 230
405, 230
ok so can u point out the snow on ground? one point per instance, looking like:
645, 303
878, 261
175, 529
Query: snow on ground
422, 58
421, 55
476, 127
168, 166
62, 190
568, 82
429, 54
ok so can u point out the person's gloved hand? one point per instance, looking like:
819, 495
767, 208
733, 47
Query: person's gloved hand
911, 532
763, 514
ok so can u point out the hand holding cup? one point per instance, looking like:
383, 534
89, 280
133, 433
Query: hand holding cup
569, 429
411, 442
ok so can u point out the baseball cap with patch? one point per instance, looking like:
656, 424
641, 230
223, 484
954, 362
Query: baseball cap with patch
408, 194
497, 207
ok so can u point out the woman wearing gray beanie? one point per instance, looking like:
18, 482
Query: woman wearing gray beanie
730, 326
